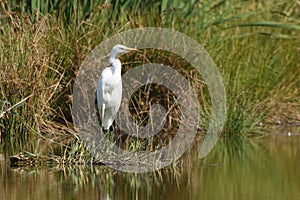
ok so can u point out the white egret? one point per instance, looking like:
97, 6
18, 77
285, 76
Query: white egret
109, 91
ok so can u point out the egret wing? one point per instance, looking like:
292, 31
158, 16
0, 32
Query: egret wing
109, 96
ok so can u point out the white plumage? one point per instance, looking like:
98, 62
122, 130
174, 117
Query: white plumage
109, 91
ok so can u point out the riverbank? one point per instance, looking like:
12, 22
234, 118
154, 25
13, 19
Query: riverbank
254, 45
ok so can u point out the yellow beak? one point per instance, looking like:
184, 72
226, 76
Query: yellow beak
131, 49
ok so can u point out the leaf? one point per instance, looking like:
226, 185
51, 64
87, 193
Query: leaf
270, 24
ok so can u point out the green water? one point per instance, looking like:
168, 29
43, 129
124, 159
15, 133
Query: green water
243, 168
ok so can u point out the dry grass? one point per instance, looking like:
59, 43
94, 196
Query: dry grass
254, 45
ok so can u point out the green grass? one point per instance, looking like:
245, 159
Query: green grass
43, 43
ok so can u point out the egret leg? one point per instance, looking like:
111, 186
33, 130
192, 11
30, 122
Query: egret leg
117, 136
116, 131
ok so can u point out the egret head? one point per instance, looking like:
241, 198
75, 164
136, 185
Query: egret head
120, 49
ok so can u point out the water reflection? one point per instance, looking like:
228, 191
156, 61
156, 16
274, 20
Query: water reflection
243, 168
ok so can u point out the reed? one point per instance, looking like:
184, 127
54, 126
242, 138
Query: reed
43, 43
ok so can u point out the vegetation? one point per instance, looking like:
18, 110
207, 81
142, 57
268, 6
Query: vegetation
43, 42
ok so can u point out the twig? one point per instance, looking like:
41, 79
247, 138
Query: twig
12, 107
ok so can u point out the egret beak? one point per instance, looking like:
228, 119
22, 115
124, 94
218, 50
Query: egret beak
131, 49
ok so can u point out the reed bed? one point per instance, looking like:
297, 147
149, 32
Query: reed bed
43, 43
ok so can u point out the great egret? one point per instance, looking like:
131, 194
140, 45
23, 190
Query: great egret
109, 91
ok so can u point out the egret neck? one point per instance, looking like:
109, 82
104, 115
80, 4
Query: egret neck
115, 63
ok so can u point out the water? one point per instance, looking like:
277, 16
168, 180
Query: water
242, 168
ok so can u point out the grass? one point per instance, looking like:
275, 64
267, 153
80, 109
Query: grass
43, 43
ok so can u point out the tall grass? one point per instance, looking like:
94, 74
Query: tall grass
43, 43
